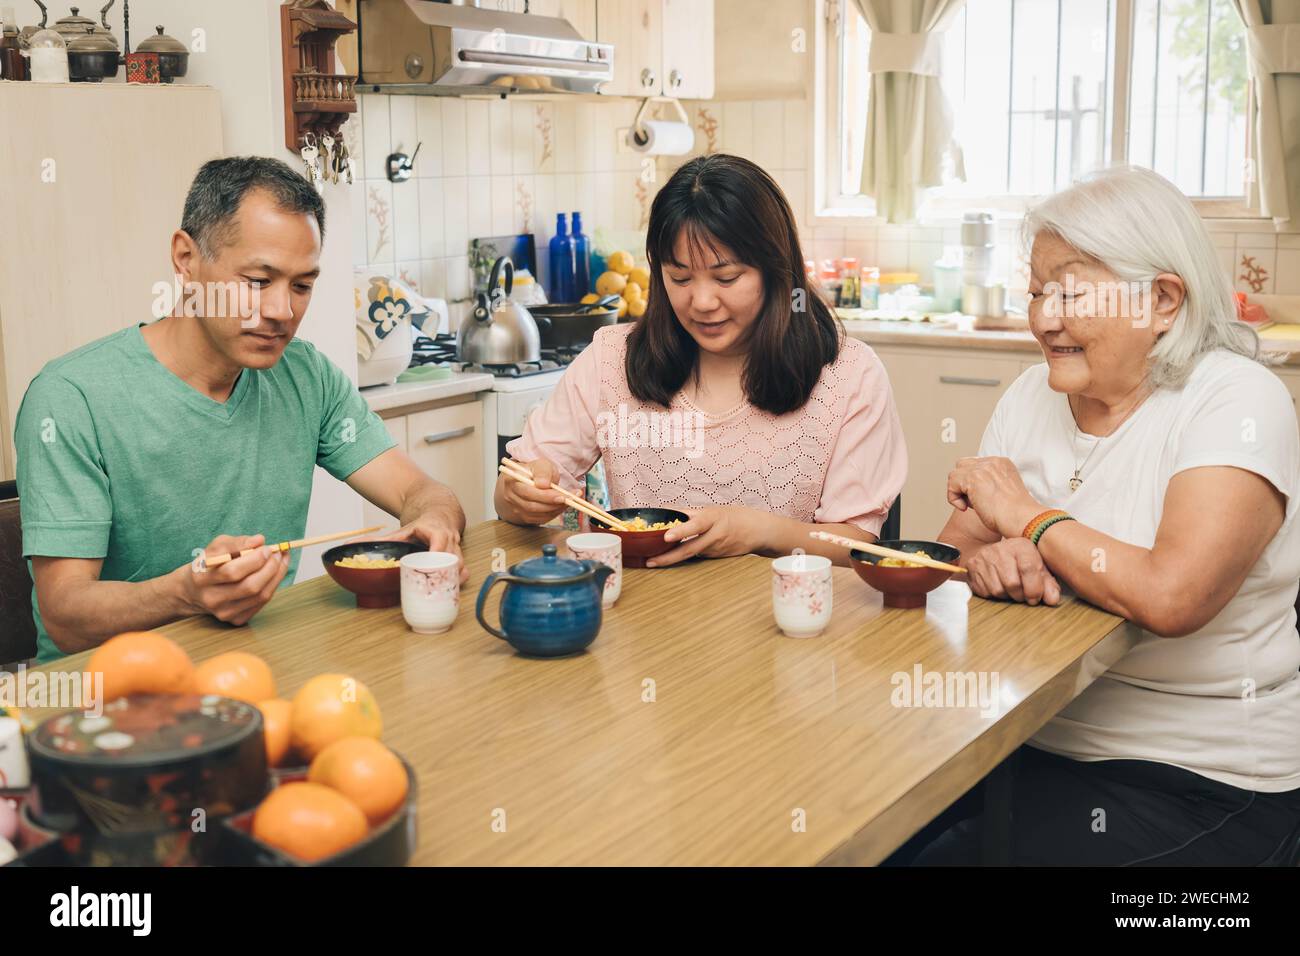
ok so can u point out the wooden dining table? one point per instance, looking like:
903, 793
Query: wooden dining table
692, 731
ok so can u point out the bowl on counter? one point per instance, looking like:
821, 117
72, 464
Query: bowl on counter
904, 587
374, 587
639, 545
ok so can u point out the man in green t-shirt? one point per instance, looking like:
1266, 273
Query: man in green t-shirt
201, 432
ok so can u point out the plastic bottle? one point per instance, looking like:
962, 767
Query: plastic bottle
850, 294
561, 262
581, 259
870, 287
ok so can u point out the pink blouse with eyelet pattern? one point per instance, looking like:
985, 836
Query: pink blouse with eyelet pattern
840, 458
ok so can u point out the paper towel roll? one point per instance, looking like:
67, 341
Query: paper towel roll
664, 138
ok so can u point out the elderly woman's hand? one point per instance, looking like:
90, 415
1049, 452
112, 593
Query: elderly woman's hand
994, 489
1012, 568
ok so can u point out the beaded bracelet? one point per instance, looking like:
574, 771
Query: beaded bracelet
1040, 523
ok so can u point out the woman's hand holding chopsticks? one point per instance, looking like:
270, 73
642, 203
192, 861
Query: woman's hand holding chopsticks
521, 503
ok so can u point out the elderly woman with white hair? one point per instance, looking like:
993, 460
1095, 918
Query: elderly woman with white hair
1152, 467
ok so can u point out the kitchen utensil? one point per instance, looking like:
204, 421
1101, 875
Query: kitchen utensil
92, 57
881, 549
283, 546
568, 326
48, 53
551, 606
517, 471
640, 545
607, 549
12, 64
499, 331
801, 594
26, 33
979, 244
984, 301
604, 302
73, 26
905, 587
374, 587
173, 55
430, 591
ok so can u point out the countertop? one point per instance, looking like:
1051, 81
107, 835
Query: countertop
1285, 345
744, 729
384, 397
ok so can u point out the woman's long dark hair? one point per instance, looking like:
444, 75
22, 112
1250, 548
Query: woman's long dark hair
726, 200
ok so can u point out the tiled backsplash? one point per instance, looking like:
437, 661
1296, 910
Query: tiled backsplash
494, 167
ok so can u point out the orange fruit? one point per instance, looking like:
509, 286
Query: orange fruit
237, 674
142, 662
275, 726
308, 821
620, 262
328, 708
364, 771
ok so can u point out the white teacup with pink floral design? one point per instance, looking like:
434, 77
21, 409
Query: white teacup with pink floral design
801, 594
606, 549
430, 591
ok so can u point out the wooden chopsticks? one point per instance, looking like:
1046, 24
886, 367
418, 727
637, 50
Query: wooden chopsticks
517, 471
283, 546
885, 552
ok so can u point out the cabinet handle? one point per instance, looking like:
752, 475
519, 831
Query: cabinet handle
647, 77
675, 79
963, 380
446, 436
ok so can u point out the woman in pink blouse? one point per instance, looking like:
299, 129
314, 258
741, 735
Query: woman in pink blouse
736, 398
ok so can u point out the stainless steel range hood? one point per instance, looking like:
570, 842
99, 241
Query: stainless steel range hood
426, 47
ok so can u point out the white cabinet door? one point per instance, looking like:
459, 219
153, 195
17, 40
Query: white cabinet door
635, 27
688, 49
581, 14
945, 399
447, 443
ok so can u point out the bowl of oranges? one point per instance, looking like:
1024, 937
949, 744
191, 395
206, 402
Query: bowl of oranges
625, 279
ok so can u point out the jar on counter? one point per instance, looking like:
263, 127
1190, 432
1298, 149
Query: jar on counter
869, 282
850, 284
830, 281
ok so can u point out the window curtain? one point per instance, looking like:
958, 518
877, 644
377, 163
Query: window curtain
910, 124
1273, 39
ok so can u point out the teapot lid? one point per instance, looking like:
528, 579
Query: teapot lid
549, 567
161, 43
92, 42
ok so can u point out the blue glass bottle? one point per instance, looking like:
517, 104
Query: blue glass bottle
561, 262
581, 259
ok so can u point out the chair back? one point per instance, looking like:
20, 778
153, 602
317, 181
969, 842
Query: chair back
17, 629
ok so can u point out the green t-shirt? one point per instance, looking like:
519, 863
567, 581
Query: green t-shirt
119, 459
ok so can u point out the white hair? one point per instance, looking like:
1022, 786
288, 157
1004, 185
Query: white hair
1137, 224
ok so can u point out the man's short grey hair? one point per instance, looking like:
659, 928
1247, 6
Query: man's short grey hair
1138, 224
220, 188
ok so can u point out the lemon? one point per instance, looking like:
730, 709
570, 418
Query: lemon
610, 283
622, 305
589, 298
621, 262
633, 291
641, 277
636, 308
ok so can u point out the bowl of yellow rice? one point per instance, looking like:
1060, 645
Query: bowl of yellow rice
370, 570
646, 539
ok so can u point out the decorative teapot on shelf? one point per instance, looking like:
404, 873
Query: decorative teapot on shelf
551, 606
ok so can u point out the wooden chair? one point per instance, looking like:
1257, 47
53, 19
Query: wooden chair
17, 629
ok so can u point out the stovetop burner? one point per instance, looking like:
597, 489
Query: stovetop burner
441, 350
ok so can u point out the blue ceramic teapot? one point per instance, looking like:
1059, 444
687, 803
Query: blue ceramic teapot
551, 606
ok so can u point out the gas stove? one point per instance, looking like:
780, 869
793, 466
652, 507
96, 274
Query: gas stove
441, 351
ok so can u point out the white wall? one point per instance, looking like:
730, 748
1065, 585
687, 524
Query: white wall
240, 55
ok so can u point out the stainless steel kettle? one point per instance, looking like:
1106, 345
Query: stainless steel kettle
499, 331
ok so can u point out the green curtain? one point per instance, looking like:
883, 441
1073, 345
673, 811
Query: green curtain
909, 132
1273, 36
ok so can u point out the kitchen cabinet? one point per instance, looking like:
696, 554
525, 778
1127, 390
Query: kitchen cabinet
446, 442
765, 51
945, 398
661, 47
581, 14
86, 244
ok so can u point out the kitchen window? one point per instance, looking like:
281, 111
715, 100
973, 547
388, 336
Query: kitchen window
1043, 91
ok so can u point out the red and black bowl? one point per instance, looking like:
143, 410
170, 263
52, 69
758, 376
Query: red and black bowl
374, 587
639, 545
904, 587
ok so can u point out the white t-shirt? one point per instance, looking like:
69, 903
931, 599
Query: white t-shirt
1183, 701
